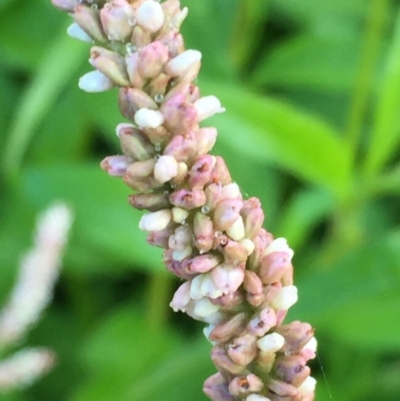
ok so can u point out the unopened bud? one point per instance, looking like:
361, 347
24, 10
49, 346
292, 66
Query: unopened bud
228, 328
116, 18
155, 221
153, 201
131, 100
286, 298
242, 386
150, 16
165, 169
242, 350
94, 82
216, 388
88, 19
76, 32
134, 143
207, 106
222, 361
262, 322
146, 118
227, 212
271, 343
116, 165
203, 232
200, 173
152, 59
187, 199
180, 64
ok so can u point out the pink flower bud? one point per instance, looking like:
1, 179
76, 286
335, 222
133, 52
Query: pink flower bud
205, 139
181, 238
253, 217
132, 63
282, 389
153, 201
150, 16
216, 388
274, 267
155, 221
257, 397
116, 165
165, 169
176, 267
308, 387
182, 149
89, 20
187, 199
66, 5
296, 334
254, 288
140, 169
309, 351
76, 32
202, 264
242, 386
207, 106
291, 369
279, 245
95, 81
221, 173
242, 350
261, 241
236, 230
286, 298
111, 64
179, 65
152, 59
262, 322
227, 277
204, 308
200, 173
233, 251
117, 18
180, 114
146, 118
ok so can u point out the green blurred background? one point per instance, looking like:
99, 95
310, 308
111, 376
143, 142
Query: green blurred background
312, 92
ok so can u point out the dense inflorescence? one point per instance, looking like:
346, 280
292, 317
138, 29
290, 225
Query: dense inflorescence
237, 277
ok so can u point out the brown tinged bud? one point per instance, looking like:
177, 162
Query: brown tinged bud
116, 165
227, 212
140, 37
187, 199
141, 169
134, 143
111, 64
282, 389
296, 334
205, 139
158, 86
176, 267
180, 115
245, 385
203, 232
200, 173
153, 201
234, 252
274, 267
138, 176
117, 18
216, 388
291, 369
152, 59
271, 291
221, 173
242, 350
181, 148
132, 61
89, 20
232, 301
160, 238
253, 217
174, 42
229, 327
254, 288
130, 100
223, 362
213, 194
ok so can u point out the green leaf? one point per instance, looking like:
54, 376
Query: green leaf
306, 209
273, 132
104, 222
385, 135
62, 59
312, 62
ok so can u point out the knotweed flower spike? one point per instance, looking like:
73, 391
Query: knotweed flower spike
237, 278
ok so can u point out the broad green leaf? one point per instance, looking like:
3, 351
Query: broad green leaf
312, 62
385, 134
273, 132
62, 59
306, 209
104, 222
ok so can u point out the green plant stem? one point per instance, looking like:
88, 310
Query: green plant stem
158, 301
370, 52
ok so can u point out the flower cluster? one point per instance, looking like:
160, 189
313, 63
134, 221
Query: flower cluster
38, 273
237, 277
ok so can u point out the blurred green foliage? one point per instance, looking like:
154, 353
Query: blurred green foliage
312, 91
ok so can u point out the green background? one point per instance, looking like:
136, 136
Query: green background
312, 128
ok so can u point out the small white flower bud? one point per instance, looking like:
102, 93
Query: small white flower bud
308, 386
204, 308
257, 397
279, 245
150, 16
195, 287
166, 168
76, 32
208, 287
271, 342
285, 298
311, 345
179, 215
248, 245
237, 231
231, 191
146, 118
155, 221
95, 81
207, 106
180, 64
